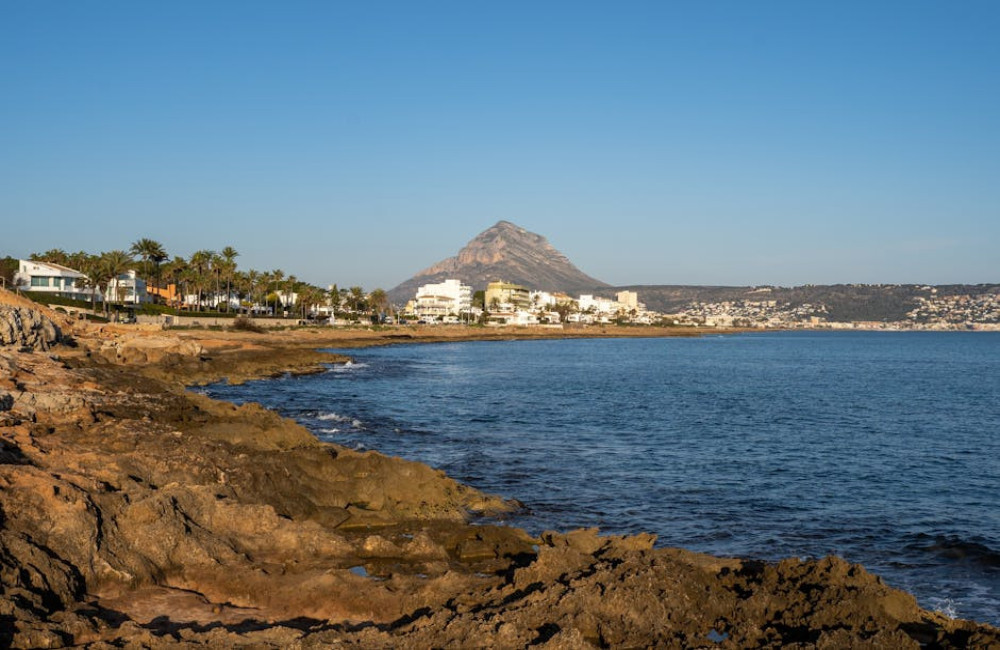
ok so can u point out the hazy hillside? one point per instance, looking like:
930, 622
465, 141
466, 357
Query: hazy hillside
845, 302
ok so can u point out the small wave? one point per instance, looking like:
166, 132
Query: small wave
945, 606
348, 366
337, 417
334, 430
955, 548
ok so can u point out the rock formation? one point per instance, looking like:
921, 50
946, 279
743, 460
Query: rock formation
503, 252
27, 328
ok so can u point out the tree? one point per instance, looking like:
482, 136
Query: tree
378, 301
290, 288
8, 269
90, 266
309, 297
217, 263
112, 265
200, 266
277, 277
176, 271
356, 299
229, 255
152, 255
333, 299
53, 256
254, 279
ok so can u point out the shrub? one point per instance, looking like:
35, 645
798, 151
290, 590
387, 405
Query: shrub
244, 324
152, 309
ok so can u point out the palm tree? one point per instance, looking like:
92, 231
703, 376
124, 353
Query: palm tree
113, 264
53, 256
277, 277
253, 279
152, 254
175, 271
200, 265
308, 296
90, 266
229, 254
217, 263
290, 287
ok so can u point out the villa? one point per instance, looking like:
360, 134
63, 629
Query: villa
128, 288
53, 279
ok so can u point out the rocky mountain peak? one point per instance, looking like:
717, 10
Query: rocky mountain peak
505, 251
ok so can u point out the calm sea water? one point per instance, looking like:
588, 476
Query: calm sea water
883, 448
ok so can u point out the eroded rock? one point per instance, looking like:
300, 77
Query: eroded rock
27, 328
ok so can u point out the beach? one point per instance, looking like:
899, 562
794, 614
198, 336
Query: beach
138, 512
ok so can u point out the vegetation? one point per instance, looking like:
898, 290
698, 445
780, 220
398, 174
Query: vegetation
207, 283
8, 269
49, 299
244, 324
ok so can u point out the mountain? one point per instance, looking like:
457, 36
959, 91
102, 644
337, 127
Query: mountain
504, 252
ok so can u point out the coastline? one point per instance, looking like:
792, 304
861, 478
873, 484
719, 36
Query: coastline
153, 515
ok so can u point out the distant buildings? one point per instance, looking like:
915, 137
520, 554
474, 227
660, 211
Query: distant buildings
445, 299
54, 279
507, 303
628, 299
507, 296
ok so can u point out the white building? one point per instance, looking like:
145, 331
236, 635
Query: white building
628, 299
55, 279
448, 298
542, 299
519, 317
127, 288
598, 305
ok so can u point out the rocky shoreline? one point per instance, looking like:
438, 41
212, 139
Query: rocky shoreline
135, 513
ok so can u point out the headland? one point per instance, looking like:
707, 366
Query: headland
136, 513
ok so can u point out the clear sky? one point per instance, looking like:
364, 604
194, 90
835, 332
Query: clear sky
761, 142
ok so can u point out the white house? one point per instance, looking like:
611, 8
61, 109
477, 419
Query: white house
128, 288
54, 279
542, 299
450, 297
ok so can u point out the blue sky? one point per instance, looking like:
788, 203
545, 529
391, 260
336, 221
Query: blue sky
652, 142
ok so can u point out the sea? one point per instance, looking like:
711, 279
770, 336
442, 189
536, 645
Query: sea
879, 447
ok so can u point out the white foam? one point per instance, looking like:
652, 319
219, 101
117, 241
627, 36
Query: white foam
945, 606
332, 417
348, 366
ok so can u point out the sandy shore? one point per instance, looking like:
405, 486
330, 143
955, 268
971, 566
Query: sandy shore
138, 514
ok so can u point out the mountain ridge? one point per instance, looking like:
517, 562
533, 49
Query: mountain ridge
504, 251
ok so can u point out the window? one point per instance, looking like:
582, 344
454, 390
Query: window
39, 282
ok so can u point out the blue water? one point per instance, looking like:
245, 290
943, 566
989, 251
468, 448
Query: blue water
883, 448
